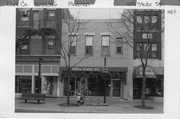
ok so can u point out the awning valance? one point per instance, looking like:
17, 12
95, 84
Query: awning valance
150, 72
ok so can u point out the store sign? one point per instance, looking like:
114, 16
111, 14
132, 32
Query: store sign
149, 73
85, 69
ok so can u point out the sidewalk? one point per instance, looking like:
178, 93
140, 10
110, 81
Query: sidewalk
116, 105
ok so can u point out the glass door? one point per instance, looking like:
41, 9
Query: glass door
116, 88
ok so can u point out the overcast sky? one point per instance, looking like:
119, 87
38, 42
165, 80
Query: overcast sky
98, 13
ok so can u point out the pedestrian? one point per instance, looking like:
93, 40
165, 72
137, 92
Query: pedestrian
78, 99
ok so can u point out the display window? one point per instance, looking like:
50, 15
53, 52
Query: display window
23, 84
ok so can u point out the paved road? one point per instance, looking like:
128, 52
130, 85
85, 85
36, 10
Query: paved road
116, 105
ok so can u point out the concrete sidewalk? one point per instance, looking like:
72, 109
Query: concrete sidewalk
116, 105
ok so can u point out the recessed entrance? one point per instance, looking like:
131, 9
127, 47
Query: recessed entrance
116, 87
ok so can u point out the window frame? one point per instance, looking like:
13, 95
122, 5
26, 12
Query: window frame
102, 53
117, 45
50, 47
150, 52
25, 51
48, 14
92, 46
36, 21
22, 21
75, 52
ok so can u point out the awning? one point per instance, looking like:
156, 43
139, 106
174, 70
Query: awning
150, 72
159, 70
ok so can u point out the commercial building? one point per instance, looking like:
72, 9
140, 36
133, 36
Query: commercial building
100, 59
38, 36
97, 49
149, 34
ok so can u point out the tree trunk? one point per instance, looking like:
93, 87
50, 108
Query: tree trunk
143, 88
68, 80
104, 89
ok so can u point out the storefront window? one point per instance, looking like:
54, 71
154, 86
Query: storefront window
159, 86
23, 84
49, 85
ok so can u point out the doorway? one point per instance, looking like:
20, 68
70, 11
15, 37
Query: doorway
37, 84
116, 87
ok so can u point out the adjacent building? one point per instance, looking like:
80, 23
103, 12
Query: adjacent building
38, 36
149, 33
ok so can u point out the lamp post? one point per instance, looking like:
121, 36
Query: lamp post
105, 71
39, 76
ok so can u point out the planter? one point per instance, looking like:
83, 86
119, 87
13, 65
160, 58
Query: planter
95, 104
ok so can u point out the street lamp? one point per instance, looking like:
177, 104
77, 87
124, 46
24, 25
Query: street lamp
105, 70
39, 77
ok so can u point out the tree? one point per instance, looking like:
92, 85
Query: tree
22, 35
72, 26
140, 29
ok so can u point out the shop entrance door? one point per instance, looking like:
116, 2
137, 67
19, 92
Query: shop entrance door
116, 85
37, 85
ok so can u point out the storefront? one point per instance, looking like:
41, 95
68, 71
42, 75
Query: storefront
154, 82
87, 80
27, 79
94, 82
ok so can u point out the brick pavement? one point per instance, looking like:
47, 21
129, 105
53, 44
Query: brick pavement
116, 105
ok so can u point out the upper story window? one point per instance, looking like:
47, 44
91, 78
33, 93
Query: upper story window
35, 19
146, 19
72, 44
24, 47
89, 44
24, 13
154, 50
24, 18
119, 46
139, 19
51, 14
154, 19
147, 36
105, 45
50, 42
151, 49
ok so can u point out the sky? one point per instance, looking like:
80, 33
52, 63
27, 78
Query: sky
98, 13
